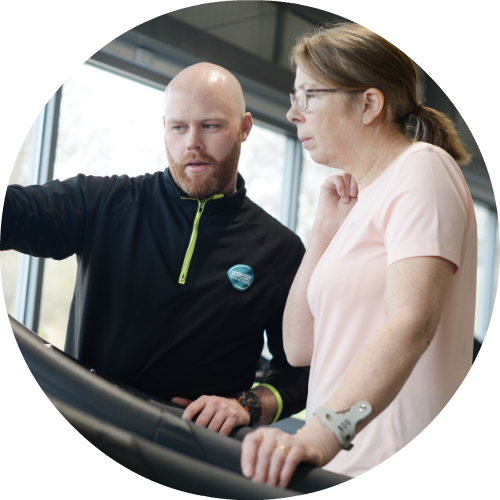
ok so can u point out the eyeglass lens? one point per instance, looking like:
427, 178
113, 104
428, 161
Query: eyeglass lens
300, 97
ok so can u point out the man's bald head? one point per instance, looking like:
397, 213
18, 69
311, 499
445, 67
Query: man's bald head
206, 80
205, 123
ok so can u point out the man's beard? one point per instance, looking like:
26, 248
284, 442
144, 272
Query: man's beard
213, 180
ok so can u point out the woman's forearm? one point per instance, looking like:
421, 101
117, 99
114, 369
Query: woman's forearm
415, 294
414, 299
380, 370
377, 375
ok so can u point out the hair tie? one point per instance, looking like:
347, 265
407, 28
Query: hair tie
417, 110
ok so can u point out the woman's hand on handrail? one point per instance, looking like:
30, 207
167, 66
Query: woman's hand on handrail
271, 456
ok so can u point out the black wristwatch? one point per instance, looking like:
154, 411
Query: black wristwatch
251, 403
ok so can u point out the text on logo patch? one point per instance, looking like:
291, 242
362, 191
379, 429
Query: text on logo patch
241, 277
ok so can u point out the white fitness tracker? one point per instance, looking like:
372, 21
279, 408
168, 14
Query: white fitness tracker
343, 423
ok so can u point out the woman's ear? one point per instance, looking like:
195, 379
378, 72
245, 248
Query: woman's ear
373, 104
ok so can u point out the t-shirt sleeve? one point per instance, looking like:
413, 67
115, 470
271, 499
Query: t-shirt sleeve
424, 212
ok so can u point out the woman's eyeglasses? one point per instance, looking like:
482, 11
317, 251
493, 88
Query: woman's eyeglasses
301, 98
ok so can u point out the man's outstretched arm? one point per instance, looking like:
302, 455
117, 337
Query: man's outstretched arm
51, 220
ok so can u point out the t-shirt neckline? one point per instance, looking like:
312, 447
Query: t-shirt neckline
398, 159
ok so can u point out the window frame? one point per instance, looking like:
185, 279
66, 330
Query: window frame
29, 281
29, 284
267, 106
490, 267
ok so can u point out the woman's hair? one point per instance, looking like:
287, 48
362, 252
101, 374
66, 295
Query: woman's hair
349, 55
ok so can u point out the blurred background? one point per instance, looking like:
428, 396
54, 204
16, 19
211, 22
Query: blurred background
107, 119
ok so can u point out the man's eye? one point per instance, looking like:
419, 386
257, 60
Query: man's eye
178, 128
210, 126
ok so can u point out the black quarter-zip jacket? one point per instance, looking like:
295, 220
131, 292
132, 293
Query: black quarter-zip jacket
130, 318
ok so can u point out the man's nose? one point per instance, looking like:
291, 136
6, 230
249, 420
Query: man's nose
195, 142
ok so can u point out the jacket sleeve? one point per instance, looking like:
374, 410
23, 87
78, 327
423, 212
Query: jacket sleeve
51, 220
290, 383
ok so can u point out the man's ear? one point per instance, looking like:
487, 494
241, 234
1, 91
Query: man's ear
373, 104
246, 126
163, 118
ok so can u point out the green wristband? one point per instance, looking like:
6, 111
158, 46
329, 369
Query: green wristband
278, 400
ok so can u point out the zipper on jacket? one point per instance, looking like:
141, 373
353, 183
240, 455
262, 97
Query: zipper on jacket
194, 235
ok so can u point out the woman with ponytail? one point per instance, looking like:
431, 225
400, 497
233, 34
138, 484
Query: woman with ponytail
382, 307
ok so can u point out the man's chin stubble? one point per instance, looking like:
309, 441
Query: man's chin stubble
213, 180
200, 185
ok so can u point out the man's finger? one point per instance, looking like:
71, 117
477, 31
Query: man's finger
216, 421
207, 414
193, 409
181, 401
229, 424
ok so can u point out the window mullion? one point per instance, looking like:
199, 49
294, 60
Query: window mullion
489, 258
291, 183
41, 169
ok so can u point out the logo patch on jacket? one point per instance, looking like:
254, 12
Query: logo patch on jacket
241, 277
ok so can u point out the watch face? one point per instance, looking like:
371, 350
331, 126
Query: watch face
252, 404
252, 398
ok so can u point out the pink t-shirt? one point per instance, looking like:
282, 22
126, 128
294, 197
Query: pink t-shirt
419, 206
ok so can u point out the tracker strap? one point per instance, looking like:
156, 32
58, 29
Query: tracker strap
343, 424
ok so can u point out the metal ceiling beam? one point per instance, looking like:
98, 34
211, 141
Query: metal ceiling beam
129, 70
312, 15
201, 44
157, 80
278, 31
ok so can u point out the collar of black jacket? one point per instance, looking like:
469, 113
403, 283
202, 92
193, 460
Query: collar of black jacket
229, 202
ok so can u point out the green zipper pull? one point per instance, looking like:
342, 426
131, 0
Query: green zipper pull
194, 235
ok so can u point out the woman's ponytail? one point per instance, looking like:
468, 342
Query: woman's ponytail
437, 129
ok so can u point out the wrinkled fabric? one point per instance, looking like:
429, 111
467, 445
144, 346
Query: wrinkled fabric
130, 319
420, 206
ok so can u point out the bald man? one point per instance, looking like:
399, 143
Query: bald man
179, 273
205, 123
